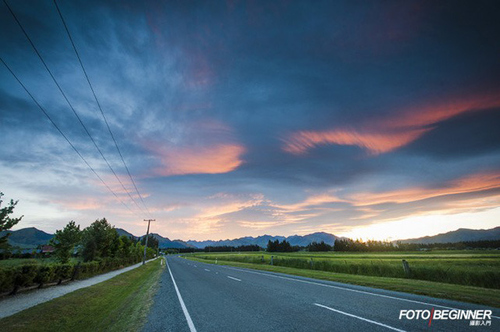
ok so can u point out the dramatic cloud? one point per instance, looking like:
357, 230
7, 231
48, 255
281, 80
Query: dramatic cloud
375, 143
248, 117
199, 160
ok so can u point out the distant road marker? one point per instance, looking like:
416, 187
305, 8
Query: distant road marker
234, 278
358, 317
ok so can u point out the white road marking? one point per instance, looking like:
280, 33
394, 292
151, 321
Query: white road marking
184, 309
195, 266
234, 278
358, 317
347, 289
207, 270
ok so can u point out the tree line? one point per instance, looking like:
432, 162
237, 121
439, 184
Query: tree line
98, 241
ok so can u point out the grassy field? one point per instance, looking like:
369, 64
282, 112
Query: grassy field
471, 268
24, 261
472, 276
119, 304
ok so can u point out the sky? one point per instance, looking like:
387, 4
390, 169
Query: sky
369, 119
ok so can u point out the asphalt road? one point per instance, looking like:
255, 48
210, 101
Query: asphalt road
201, 297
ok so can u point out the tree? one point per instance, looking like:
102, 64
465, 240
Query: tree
65, 240
315, 246
98, 240
7, 222
152, 241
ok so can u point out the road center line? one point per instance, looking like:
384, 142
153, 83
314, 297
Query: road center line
184, 309
234, 278
207, 270
346, 289
358, 317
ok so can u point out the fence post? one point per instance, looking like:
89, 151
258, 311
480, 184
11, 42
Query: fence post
406, 268
311, 263
262, 259
271, 260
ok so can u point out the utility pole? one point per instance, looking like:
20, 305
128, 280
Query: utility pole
147, 235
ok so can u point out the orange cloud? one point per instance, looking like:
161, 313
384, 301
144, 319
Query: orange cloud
86, 204
387, 134
472, 183
375, 143
311, 202
440, 111
222, 158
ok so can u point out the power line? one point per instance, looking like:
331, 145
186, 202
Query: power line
69, 103
99, 104
63, 135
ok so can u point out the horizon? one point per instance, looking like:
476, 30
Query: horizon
225, 120
286, 236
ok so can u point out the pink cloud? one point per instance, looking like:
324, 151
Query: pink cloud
375, 143
469, 184
387, 134
215, 159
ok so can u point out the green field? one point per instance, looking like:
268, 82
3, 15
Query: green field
118, 304
25, 261
456, 274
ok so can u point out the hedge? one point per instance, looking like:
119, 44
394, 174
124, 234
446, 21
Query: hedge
14, 277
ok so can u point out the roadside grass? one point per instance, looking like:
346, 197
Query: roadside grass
479, 295
118, 304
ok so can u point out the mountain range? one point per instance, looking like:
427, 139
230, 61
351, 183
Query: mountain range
261, 241
29, 237
460, 235
32, 237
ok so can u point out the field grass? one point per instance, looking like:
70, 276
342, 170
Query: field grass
24, 261
470, 268
118, 304
457, 275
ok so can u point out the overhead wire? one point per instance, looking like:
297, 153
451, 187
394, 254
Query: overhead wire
99, 105
63, 135
69, 103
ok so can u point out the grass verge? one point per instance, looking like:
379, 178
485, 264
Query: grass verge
484, 296
118, 304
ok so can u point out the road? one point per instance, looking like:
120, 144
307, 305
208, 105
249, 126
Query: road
202, 297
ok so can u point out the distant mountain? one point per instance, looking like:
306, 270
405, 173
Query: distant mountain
165, 242
122, 232
460, 235
261, 241
27, 237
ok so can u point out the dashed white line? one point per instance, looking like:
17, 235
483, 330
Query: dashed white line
358, 317
184, 309
234, 278
207, 270
346, 289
